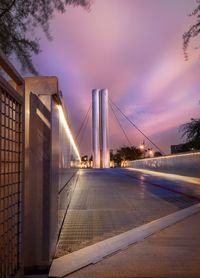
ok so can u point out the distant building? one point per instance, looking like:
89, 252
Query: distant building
176, 148
180, 148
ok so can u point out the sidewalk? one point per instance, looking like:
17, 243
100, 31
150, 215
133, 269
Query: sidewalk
173, 252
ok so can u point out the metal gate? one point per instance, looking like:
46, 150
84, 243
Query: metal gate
11, 175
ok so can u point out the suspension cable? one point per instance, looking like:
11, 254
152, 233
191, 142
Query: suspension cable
84, 129
83, 122
136, 126
129, 142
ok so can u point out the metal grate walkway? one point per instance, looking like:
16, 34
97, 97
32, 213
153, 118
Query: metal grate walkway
106, 203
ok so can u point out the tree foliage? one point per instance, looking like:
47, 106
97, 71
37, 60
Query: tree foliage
191, 131
19, 19
193, 31
125, 153
157, 154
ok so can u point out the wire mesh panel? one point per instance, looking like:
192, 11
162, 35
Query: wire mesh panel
11, 182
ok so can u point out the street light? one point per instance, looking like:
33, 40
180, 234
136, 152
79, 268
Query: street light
151, 154
142, 149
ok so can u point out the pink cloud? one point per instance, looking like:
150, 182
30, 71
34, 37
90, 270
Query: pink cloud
133, 48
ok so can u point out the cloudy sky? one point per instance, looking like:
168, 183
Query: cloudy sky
133, 48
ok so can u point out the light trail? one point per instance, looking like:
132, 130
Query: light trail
168, 175
68, 131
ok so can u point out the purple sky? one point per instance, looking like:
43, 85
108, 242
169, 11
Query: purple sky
133, 48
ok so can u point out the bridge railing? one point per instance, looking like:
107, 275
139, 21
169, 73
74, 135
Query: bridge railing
11, 170
185, 164
36, 150
50, 161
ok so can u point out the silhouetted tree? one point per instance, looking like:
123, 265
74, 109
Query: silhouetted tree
84, 158
19, 19
193, 31
157, 154
112, 155
191, 131
91, 158
126, 153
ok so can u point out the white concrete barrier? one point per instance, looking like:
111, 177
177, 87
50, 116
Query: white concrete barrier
181, 164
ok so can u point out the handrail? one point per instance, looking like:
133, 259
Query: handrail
10, 70
6, 86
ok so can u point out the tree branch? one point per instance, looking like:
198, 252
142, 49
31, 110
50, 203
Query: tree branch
7, 9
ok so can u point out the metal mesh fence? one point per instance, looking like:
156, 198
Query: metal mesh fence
11, 182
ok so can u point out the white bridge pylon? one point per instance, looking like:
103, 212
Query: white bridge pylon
100, 146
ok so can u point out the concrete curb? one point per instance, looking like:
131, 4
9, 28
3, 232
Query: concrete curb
96, 252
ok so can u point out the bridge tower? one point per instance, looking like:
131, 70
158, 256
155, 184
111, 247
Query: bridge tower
101, 155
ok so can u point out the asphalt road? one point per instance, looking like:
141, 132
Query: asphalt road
107, 202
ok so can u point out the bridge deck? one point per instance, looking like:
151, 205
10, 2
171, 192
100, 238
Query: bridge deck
108, 202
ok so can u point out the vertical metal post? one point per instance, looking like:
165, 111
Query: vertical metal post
95, 128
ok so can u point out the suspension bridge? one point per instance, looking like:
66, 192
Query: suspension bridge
58, 220
84, 130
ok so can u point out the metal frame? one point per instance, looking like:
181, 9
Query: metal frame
11, 172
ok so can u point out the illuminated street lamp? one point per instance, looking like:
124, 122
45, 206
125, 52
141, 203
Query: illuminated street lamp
142, 149
151, 153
